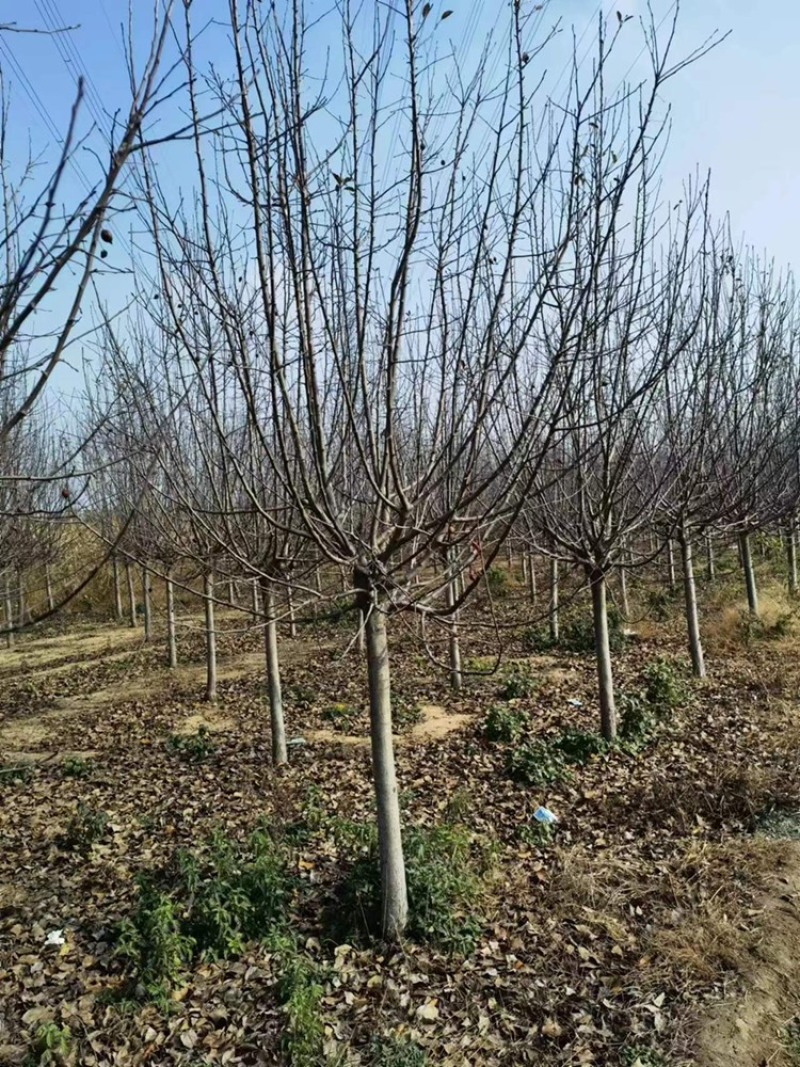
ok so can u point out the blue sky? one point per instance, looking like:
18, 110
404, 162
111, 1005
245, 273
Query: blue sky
735, 112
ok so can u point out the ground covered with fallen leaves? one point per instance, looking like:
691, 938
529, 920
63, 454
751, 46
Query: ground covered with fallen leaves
604, 940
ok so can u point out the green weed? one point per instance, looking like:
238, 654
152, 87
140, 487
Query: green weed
389, 1051
51, 1045
86, 827
537, 763
76, 767
504, 724
192, 748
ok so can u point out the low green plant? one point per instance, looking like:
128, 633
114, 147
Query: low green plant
340, 716
516, 685
405, 714
577, 635
504, 724
460, 804
77, 767
153, 940
300, 993
302, 696
445, 882
390, 1051
193, 748
538, 763
578, 746
86, 827
16, 774
755, 628
51, 1045
206, 904
497, 582
665, 688
637, 719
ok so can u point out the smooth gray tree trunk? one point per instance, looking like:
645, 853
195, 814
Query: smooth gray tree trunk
232, 597
393, 871
361, 636
9, 611
117, 590
451, 595
256, 607
276, 717
211, 636
48, 582
746, 553
147, 604
671, 576
532, 578
555, 632
711, 570
131, 594
172, 644
690, 596
623, 585
791, 559
605, 677
290, 606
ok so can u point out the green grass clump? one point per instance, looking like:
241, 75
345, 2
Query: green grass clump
504, 724
51, 1045
445, 880
192, 748
538, 763
516, 685
300, 993
207, 904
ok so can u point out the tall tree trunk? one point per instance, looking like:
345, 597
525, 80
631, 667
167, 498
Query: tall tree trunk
532, 577
671, 578
9, 611
232, 598
554, 623
454, 646
256, 608
23, 615
605, 677
172, 644
791, 559
147, 604
749, 572
48, 581
117, 590
361, 636
131, 593
623, 584
525, 568
690, 594
711, 570
277, 722
211, 636
290, 606
393, 872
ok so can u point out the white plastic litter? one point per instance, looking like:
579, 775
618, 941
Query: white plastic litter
575, 703
545, 815
56, 937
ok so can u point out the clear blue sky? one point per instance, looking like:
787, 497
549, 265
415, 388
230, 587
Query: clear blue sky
735, 112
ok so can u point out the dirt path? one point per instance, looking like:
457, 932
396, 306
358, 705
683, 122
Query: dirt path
750, 1028
435, 724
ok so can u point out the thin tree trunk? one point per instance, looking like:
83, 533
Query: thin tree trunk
23, 615
146, 602
525, 568
749, 572
623, 585
277, 722
455, 648
690, 594
605, 677
172, 644
711, 570
393, 872
9, 612
48, 581
117, 590
211, 637
532, 577
791, 559
290, 606
554, 624
671, 578
361, 637
232, 599
256, 609
131, 593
